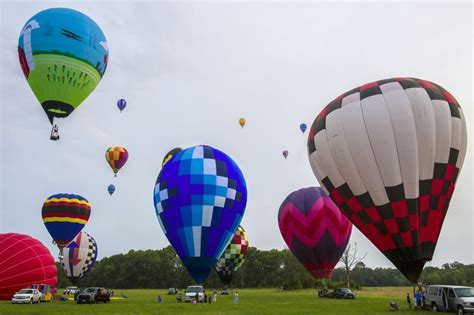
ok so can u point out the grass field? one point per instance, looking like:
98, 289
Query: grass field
252, 301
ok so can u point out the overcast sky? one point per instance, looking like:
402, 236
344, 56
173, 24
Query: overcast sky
189, 71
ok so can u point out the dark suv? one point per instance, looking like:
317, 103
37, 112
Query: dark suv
93, 295
342, 293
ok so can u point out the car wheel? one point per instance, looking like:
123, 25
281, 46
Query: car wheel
434, 307
460, 310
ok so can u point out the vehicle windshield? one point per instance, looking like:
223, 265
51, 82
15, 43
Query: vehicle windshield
24, 291
345, 290
465, 292
90, 290
194, 290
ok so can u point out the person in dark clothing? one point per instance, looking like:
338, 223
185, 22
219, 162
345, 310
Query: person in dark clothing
409, 301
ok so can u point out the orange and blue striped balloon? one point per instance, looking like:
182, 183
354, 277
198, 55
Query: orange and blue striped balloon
64, 215
117, 157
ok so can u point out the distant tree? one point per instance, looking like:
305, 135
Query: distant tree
350, 259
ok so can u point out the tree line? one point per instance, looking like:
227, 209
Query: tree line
262, 269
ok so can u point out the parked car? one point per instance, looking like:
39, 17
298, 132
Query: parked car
172, 291
27, 296
93, 295
70, 290
191, 292
455, 298
225, 291
342, 293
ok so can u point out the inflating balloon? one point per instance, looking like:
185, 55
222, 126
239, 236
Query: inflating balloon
314, 229
64, 215
121, 104
200, 197
63, 54
111, 189
242, 122
24, 261
303, 127
79, 256
233, 257
389, 153
116, 157
285, 153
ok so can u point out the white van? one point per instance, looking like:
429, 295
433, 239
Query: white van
450, 298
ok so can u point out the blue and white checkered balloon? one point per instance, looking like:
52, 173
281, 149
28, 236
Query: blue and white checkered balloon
200, 197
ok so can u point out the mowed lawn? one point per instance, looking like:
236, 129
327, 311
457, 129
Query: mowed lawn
252, 301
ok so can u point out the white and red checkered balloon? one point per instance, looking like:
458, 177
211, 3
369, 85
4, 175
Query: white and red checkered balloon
389, 153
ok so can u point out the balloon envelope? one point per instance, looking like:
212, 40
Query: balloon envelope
233, 257
111, 189
285, 154
63, 54
170, 155
314, 229
303, 127
389, 153
24, 261
79, 256
116, 156
121, 104
200, 197
64, 215
242, 122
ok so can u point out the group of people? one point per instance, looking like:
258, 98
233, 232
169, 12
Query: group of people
206, 299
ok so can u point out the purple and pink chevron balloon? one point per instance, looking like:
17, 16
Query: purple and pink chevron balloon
314, 229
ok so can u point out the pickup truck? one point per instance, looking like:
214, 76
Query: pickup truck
93, 295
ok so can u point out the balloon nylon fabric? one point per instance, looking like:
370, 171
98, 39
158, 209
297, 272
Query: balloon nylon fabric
389, 153
200, 197
23, 261
79, 256
314, 229
63, 55
64, 215
233, 257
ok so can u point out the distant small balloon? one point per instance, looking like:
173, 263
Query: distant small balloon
121, 104
303, 127
111, 189
285, 153
242, 122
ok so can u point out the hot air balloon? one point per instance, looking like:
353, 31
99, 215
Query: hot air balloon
79, 256
285, 153
170, 155
117, 157
121, 104
111, 189
24, 261
63, 54
389, 153
233, 257
314, 229
200, 197
303, 127
64, 215
242, 122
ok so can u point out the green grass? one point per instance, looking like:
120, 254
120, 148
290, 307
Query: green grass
252, 301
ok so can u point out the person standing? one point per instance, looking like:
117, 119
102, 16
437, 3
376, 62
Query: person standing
409, 301
215, 296
236, 297
418, 299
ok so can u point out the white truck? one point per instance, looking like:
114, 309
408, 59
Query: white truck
194, 291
